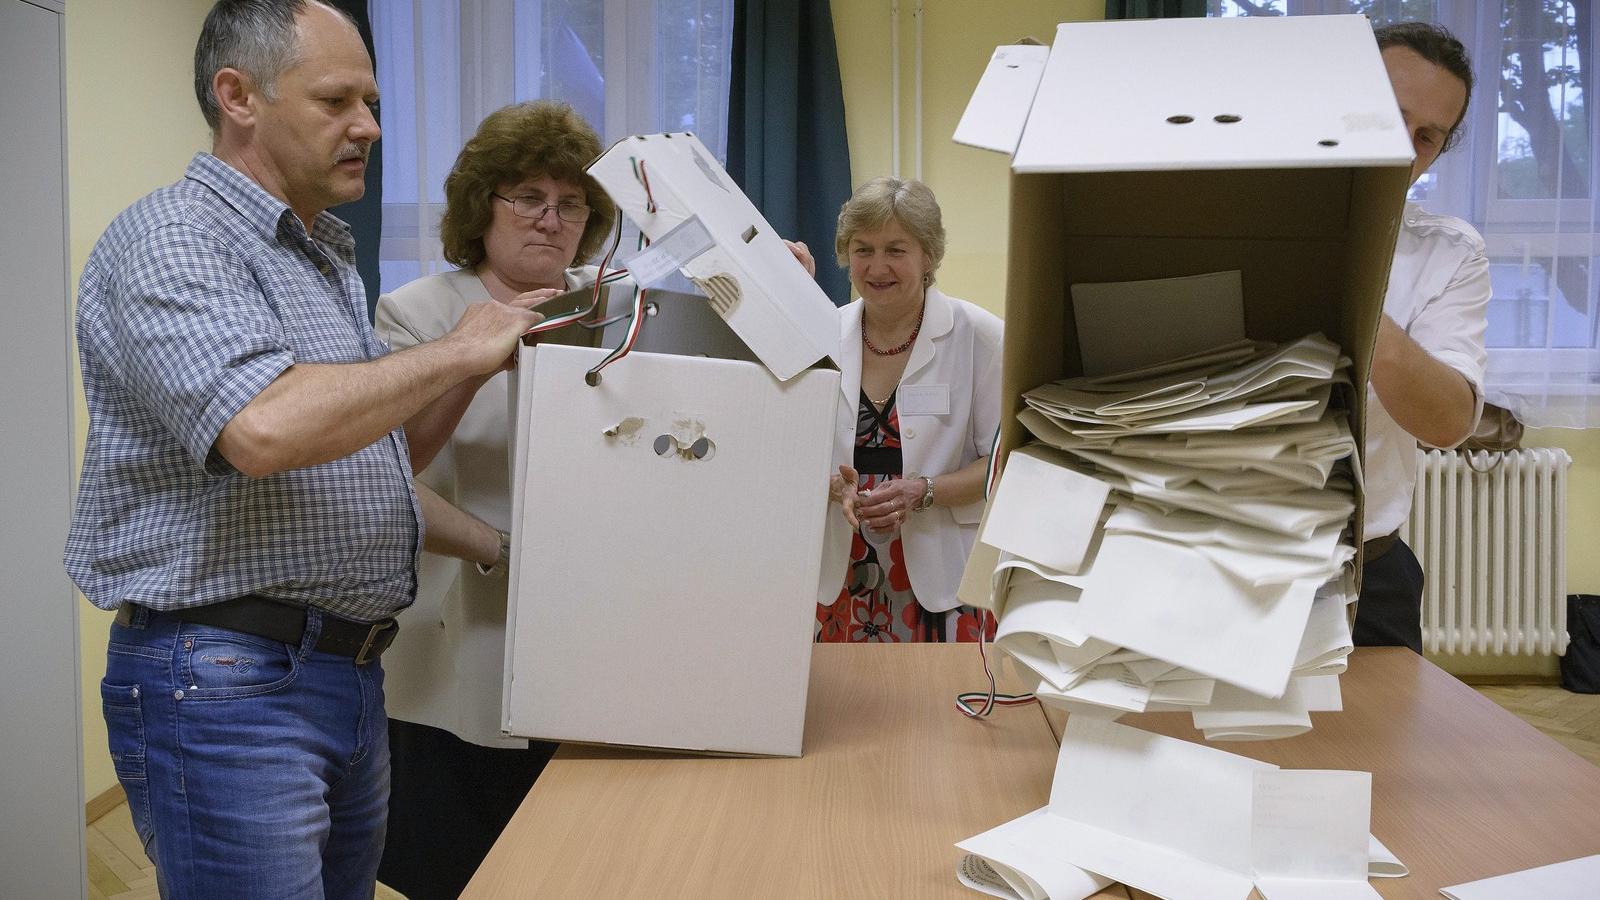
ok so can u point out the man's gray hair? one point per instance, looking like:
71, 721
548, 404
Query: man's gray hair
257, 37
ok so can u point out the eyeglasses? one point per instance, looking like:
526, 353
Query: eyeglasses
534, 208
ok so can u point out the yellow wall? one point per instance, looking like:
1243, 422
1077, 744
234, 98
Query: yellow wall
958, 37
1583, 503
132, 125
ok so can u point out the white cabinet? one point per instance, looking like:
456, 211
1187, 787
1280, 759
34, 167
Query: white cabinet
41, 782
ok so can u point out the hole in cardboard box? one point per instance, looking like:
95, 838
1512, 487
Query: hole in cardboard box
1327, 142
1225, 119
703, 449
749, 234
665, 445
1180, 120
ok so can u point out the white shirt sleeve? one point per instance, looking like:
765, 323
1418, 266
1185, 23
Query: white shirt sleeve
1451, 324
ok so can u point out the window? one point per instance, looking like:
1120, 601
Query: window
628, 66
1522, 176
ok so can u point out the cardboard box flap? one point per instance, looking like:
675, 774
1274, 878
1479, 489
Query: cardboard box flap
998, 110
1233, 93
751, 278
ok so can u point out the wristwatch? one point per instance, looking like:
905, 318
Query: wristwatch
502, 563
927, 495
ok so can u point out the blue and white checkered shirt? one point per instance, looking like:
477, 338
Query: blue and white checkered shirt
196, 298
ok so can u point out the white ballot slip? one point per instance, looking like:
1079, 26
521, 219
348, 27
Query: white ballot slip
1309, 834
1178, 819
1381, 861
1021, 854
1156, 813
1043, 510
1169, 603
1238, 715
1575, 879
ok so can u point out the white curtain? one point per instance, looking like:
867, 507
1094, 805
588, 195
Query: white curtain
628, 66
1523, 176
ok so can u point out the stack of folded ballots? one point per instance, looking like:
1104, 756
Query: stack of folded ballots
1178, 819
1178, 539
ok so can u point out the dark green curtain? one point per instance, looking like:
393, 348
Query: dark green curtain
1154, 9
365, 215
786, 137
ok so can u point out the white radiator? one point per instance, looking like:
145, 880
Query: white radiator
1493, 546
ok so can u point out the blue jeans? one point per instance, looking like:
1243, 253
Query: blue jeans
253, 769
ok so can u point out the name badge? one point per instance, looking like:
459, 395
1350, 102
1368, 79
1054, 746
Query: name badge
924, 400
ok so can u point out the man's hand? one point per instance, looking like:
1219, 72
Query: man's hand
485, 338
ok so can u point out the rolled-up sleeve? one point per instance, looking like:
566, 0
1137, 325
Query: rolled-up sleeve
192, 334
1451, 325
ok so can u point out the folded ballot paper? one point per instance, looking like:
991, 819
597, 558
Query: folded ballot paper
1177, 538
1575, 879
1178, 819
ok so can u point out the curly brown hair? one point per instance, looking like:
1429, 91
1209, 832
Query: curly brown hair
514, 143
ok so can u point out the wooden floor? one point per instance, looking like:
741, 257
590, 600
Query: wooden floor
119, 870
1572, 719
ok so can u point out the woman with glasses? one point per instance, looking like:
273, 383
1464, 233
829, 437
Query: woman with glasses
520, 217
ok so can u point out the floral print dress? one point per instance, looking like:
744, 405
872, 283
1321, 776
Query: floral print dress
876, 603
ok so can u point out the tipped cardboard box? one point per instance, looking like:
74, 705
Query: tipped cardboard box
1177, 147
669, 518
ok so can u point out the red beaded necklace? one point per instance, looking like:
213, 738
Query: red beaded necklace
896, 351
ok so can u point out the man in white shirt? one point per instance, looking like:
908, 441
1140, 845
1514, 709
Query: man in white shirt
1428, 364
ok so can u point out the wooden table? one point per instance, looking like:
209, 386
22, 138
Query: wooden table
893, 776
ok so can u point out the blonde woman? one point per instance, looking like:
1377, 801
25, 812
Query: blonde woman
921, 380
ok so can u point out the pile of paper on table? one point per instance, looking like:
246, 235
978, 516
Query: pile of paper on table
643, 608
1197, 265
1182, 820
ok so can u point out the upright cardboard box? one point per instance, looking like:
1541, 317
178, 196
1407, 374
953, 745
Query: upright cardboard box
669, 516
1175, 147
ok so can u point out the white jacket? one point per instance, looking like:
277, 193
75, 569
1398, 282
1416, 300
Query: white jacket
949, 406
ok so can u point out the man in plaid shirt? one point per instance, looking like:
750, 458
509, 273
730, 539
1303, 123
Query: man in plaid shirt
246, 503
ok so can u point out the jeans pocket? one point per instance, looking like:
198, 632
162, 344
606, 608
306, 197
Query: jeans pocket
124, 712
218, 664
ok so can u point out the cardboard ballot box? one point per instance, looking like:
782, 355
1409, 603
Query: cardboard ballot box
1178, 147
669, 516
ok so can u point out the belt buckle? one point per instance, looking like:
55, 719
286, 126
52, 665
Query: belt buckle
378, 630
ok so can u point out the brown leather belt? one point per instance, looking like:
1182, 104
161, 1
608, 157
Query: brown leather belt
1375, 549
284, 623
